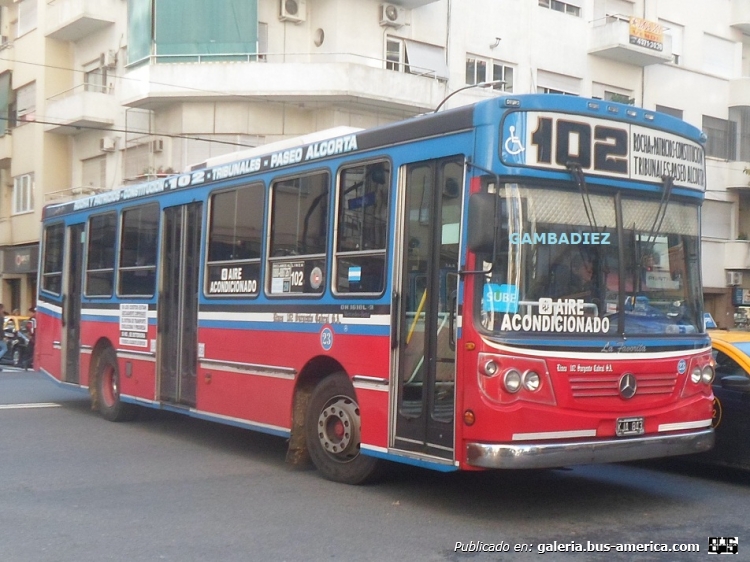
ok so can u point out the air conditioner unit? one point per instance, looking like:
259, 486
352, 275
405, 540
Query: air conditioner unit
734, 278
110, 59
107, 144
293, 10
392, 16
157, 145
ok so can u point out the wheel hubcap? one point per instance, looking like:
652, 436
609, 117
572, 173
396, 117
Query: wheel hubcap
109, 386
338, 428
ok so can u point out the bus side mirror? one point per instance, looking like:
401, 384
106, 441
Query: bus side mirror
481, 227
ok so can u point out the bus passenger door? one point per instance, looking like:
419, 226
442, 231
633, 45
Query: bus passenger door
71, 305
425, 353
177, 310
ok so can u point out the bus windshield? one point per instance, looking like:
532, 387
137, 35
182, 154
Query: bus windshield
562, 265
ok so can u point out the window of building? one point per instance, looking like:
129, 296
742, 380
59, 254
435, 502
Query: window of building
718, 56
721, 137
100, 258
94, 172
676, 32
414, 57
27, 16
480, 69
138, 245
571, 7
612, 93
739, 116
715, 219
5, 102
95, 77
299, 234
669, 111
26, 102
206, 31
235, 237
23, 193
362, 235
395, 54
52, 261
554, 83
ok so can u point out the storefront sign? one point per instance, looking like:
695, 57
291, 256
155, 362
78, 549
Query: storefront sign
21, 260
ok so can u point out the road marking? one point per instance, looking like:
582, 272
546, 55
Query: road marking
28, 406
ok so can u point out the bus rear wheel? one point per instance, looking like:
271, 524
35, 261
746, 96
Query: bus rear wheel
332, 428
108, 386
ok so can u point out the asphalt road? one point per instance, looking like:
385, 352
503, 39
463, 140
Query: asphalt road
74, 487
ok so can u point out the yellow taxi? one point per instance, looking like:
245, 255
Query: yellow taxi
731, 386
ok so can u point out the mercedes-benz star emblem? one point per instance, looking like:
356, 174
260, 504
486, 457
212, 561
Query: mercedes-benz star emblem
628, 385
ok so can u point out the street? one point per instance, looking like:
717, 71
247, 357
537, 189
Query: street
74, 487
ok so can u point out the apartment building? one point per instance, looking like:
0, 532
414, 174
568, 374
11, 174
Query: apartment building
97, 93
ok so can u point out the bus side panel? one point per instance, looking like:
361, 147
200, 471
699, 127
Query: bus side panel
263, 393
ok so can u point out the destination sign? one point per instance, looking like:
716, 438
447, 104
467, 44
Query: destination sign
544, 139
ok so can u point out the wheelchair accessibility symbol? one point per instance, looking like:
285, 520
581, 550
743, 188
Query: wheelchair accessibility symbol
513, 144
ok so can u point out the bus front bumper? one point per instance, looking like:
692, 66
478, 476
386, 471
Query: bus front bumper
551, 455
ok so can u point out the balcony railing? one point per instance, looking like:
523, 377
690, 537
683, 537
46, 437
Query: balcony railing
294, 77
78, 108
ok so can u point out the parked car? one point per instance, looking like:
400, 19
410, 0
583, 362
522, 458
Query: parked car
16, 335
731, 419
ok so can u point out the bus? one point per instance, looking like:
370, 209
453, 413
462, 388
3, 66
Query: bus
507, 285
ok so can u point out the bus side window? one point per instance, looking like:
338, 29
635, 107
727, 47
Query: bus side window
299, 234
138, 244
100, 257
363, 195
52, 261
235, 235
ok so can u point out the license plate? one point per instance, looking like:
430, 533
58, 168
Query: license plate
630, 426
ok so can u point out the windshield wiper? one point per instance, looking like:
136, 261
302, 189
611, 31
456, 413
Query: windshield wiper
661, 212
577, 172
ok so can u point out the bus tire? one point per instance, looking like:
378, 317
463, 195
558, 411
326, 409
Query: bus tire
108, 387
332, 428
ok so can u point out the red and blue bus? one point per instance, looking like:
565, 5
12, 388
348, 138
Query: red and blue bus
511, 284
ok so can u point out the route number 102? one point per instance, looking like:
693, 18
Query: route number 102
575, 141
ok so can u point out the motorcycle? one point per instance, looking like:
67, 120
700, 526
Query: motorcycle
20, 349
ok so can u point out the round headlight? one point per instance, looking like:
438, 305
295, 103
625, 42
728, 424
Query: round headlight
491, 368
696, 374
707, 375
512, 381
531, 381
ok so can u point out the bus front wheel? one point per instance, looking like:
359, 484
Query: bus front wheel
108, 387
332, 427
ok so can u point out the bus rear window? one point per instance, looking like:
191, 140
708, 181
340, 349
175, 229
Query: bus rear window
53, 258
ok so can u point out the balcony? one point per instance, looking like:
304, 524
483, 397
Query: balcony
344, 79
71, 20
740, 16
71, 111
610, 38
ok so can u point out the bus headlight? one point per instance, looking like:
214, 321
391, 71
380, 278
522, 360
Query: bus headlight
491, 368
531, 381
707, 374
696, 374
512, 381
